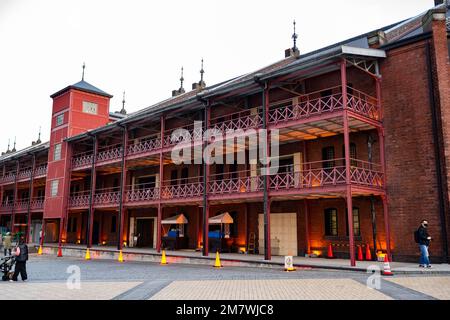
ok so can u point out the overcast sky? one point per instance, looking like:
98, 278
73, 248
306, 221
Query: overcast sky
140, 46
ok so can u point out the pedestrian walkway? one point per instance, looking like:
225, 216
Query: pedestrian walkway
243, 260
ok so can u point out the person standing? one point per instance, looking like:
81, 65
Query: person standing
21, 253
424, 240
7, 243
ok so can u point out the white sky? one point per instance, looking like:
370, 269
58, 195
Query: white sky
140, 46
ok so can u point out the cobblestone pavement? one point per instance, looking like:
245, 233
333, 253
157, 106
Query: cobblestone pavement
437, 287
106, 279
295, 289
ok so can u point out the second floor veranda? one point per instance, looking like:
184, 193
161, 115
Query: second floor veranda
315, 112
313, 179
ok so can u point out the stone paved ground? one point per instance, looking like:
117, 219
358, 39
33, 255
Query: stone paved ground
105, 279
437, 287
295, 289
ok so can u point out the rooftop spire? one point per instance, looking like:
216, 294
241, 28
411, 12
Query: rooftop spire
123, 111
201, 73
9, 142
294, 38
82, 75
39, 136
181, 81
14, 148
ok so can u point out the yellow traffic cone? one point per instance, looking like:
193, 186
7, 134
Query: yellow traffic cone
217, 265
88, 255
163, 258
40, 250
120, 256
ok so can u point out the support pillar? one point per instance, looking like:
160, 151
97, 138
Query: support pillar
30, 197
205, 236
90, 225
123, 179
13, 213
161, 176
349, 199
307, 229
265, 103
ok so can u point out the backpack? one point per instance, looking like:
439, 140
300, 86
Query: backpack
416, 236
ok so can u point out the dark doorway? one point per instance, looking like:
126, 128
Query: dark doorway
95, 233
144, 231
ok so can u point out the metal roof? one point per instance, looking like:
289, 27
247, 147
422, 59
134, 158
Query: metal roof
28, 150
83, 86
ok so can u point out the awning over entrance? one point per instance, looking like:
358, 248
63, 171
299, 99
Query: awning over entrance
180, 219
221, 219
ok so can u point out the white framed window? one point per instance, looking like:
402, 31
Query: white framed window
59, 119
57, 152
90, 107
54, 188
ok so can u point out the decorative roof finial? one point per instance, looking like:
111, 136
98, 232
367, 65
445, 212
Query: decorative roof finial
181, 80
39, 136
123, 111
294, 37
14, 148
9, 142
82, 76
201, 73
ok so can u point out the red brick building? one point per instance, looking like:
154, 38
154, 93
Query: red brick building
364, 147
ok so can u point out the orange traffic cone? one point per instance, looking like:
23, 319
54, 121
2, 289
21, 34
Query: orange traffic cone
386, 267
163, 258
120, 258
368, 253
217, 265
59, 252
360, 255
330, 252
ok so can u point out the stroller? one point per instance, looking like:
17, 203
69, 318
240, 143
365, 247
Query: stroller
6, 265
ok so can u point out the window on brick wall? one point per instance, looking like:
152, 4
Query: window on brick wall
356, 222
57, 152
331, 222
353, 155
54, 188
59, 119
174, 177
328, 157
184, 175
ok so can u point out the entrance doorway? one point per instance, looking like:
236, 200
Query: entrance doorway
283, 234
144, 232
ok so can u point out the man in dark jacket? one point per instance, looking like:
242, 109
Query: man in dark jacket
21, 260
424, 243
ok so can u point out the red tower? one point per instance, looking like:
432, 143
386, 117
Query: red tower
76, 109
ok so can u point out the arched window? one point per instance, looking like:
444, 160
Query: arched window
331, 222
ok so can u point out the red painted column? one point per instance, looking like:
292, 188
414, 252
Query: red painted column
91, 198
63, 220
267, 202
161, 179
123, 176
384, 197
307, 230
13, 213
30, 197
347, 165
206, 168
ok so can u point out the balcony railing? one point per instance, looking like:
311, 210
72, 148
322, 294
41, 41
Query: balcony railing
37, 203
8, 177
109, 153
79, 199
313, 104
141, 193
6, 206
144, 145
82, 160
182, 188
40, 171
108, 196
175, 136
24, 173
241, 182
243, 120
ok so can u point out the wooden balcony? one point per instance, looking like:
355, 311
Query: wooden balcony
24, 174
21, 205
